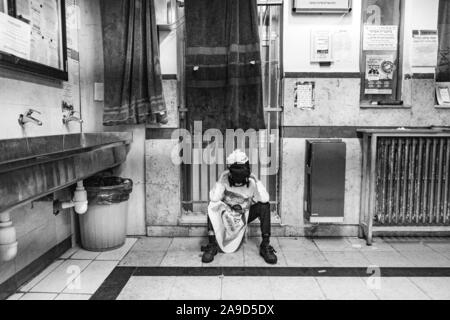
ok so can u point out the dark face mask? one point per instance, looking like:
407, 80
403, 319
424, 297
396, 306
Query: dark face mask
239, 175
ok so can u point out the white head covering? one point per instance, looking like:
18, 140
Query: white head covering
237, 156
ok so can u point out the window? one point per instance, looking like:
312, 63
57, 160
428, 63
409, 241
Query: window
380, 64
199, 178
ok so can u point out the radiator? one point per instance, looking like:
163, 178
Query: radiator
412, 181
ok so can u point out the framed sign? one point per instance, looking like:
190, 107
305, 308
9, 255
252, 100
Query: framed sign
320, 6
381, 45
33, 37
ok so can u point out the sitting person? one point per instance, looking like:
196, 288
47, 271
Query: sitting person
237, 199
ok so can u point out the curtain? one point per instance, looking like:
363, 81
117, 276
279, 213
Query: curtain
443, 69
133, 83
223, 64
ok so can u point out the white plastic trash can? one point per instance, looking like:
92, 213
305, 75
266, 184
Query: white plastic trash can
103, 227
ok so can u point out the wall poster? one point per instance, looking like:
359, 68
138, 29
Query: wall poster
14, 36
44, 23
379, 74
424, 51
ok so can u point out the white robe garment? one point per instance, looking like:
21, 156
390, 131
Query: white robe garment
229, 225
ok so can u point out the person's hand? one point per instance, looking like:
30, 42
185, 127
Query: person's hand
252, 176
238, 209
223, 176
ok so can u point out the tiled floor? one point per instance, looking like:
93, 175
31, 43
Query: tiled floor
75, 276
78, 274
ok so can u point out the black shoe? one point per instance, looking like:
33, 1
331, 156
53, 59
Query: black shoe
268, 253
209, 252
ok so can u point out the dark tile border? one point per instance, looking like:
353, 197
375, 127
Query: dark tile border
420, 76
312, 132
170, 77
159, 134
322, 132
325, 132
11, 285
348, 75
114, 284
331, 132
317, 75
287, 272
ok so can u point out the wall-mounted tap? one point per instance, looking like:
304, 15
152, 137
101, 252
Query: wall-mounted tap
67, 118
27, 118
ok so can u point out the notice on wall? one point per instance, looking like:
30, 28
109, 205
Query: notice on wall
71, 88
14, 36
443, 93
380, 38
321, 46
72, 18
424, 51
342, 46
304, 95
379, 74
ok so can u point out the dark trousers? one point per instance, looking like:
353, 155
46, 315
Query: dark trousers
258, 210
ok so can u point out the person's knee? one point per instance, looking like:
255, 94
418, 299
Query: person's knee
264, 207
264, 210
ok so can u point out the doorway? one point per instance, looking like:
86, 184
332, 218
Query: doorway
198, 178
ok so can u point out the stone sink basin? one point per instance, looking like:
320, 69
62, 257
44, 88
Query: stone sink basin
31, 168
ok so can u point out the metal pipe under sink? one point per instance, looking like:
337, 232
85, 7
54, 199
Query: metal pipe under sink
8, 238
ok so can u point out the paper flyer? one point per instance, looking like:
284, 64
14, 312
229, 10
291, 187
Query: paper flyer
424, 51
321, 46
23, 9
379, 74
14, 36
45, 42
443, 94
304, 95
380, 38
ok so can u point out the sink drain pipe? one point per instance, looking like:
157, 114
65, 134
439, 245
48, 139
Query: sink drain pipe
8, 239
79, 202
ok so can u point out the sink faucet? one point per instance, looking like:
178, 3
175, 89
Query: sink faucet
67, 118
28, 118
